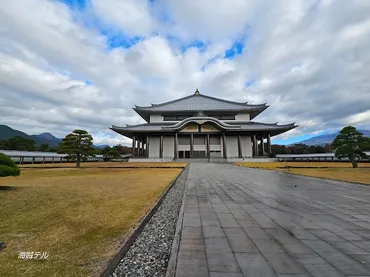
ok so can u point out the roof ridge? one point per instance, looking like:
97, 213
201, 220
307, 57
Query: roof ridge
223, 100
243, 104
165, 103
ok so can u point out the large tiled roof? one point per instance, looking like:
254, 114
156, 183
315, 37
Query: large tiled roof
199, 102
165, 127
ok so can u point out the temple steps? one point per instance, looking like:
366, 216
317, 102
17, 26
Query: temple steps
202, 160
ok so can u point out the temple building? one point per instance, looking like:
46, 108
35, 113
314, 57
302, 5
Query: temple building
201, 126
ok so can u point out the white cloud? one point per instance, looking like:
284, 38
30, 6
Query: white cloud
308, 59
131, 16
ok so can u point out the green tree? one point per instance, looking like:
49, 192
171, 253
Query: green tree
43, 147
123, 149
105, 151
350, 143
20, 143
113, 153
8, 166
78, 145
4, 145
327, 148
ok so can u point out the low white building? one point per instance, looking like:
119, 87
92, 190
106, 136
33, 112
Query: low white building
200, 126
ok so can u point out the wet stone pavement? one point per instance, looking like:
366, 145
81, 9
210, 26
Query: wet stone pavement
248, 222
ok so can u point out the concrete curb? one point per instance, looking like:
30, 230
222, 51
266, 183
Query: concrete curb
84, 167
135, 232
307, 176
172, 263
327, 179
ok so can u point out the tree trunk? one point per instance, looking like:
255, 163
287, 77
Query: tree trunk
354, 162
78, 161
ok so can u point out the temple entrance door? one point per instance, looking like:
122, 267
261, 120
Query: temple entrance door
200, 147
199, 154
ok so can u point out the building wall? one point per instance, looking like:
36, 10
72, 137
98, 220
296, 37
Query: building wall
156, 118
240, 116
154, 147
168, 147
247, 146
243, 116
232, 146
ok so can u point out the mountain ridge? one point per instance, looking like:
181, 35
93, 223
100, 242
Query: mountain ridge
7, 132
324, 139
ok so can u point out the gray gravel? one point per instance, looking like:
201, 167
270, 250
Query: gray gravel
149, 254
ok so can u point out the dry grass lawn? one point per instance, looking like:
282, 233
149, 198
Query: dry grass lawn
79, 217
334, 171
111, 164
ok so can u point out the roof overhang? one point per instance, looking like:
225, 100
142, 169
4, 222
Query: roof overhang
145, 112
201, 120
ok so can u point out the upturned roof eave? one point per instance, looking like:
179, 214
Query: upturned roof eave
273, 129
242, 108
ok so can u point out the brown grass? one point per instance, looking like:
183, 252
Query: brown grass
78, 216
110, 164
334, 171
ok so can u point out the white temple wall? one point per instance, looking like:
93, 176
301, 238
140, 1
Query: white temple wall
247, 146
168, 147
200, 148
154, 147
232, 146
156, 118
242, 116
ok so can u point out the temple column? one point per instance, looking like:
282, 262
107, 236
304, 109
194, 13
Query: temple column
133, 145
208, 148
176, 142
147, 146
142, 147
161, 147
224, 145
269, 143
255, 149
139, 147
240, 152
262, 145
191, 145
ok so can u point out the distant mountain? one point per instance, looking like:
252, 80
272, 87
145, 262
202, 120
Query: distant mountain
325, 139
46, 138
6, 133
101, 146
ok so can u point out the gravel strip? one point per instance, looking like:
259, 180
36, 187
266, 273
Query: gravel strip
150, 253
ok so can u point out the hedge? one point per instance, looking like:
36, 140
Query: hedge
8, 166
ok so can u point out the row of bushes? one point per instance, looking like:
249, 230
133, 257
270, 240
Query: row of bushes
8, 166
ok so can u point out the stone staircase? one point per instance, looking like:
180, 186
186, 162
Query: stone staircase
203, 160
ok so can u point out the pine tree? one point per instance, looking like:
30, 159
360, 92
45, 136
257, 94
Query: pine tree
350, 144
78, 145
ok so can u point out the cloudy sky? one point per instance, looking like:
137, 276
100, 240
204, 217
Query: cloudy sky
85, 63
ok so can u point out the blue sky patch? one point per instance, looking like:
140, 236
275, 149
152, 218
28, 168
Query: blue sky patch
75, 4
115, 40
236, 49
249, 83
201, 45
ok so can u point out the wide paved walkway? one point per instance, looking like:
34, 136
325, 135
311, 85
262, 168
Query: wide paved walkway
249, 222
